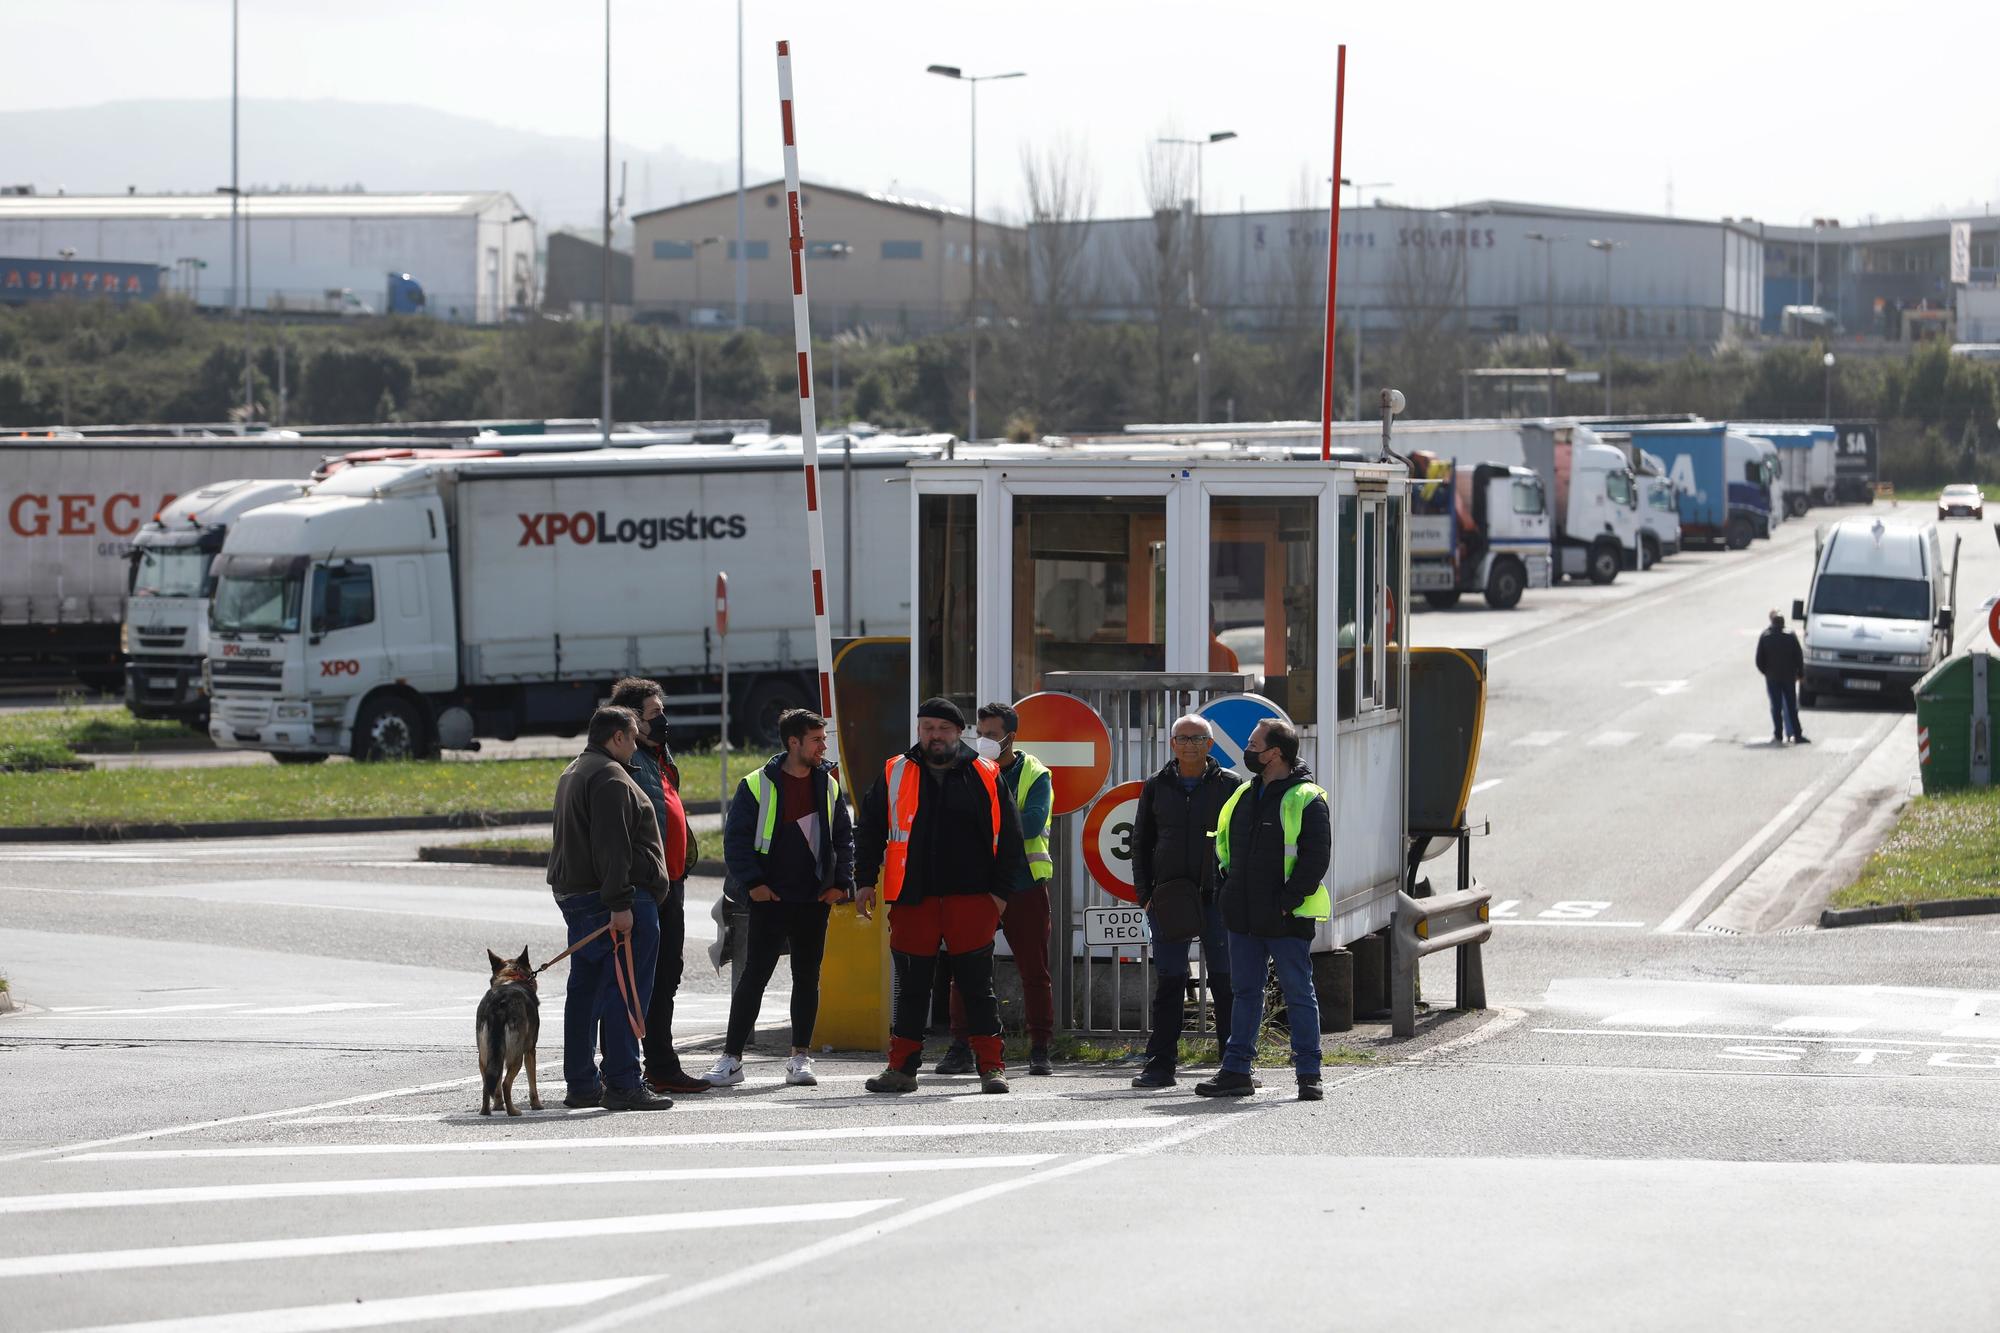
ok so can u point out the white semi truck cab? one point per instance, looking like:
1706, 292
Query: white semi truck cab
1477, 527
165, 634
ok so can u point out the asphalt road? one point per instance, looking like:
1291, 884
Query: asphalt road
244, 1095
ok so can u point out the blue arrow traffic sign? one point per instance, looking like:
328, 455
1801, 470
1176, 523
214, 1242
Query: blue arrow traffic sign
1234, 717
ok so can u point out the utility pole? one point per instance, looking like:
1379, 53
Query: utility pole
1197, 265
742, 210
234, 294
604, 387
1607, 247
1549, 309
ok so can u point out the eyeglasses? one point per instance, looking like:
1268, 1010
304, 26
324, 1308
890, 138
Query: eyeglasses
1191, 740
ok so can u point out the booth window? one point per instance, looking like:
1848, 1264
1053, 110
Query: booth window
1089, 591
1371, 563
948, 558
1263, 562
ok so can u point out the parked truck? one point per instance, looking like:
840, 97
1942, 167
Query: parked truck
1476, 527
165, 637
70, 511
1596, 499
1806, 458
1721, 478
408, 606
1854, 462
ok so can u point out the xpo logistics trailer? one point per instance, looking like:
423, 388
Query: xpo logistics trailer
1806, 462
409, 606
1722, 478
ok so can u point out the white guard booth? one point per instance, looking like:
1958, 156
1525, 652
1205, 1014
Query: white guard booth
1171, 558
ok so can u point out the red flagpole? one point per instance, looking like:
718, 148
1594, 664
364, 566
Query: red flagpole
1332, 262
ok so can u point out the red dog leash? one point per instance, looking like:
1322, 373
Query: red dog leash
622, 967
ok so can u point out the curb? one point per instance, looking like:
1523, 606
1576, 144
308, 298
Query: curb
485, 856
261, 828
1869, 916
6, 1002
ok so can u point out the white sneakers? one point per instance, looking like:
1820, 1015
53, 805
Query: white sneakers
799, 1072
728, 1072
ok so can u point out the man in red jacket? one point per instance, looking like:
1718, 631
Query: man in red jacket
653, 768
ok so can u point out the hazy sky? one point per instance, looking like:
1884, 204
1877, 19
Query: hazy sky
1780, 112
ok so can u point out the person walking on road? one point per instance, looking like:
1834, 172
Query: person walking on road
939, 831
1173, 847
653, 768
789, 844
1782, 662
607, 868
1025, 921
1274, 844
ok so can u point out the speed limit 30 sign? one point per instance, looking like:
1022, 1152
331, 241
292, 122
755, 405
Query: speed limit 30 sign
1107, 840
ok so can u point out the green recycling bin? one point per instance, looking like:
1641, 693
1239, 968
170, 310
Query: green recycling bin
1957, 704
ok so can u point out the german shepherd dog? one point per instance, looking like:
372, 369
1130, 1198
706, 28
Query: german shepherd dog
509, 1021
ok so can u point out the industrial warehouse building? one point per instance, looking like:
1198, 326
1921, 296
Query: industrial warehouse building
474, 253
871, 259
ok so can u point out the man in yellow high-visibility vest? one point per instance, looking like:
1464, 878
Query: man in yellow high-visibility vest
1025, 922
1274, 844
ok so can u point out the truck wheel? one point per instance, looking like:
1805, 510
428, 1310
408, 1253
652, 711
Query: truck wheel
285, 758
1442, 601
1649, 551
389, 728
1740, 533
1795, 505
1504, 584
1604, 563
768, 700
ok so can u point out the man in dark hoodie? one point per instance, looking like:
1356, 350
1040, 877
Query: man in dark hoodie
1782, 661
653, 768
607, 869
1274, 844
789, 844
1174, 839
939, 830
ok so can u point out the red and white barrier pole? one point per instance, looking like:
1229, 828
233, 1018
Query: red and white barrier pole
808, 423
1332, 262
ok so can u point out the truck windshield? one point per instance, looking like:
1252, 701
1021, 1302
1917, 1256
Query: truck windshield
1618, 485
1661, 498
1528, 496
1870, 595
258, 594
170, 571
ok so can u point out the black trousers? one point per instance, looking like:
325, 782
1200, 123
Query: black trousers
771, 924
658, 1047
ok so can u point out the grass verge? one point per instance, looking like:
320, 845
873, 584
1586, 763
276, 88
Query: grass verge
112, 797
40, 738
1945, 846
543, 843
1273, 1049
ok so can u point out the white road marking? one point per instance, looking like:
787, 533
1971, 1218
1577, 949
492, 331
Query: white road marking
1745, 1036
1540, 738
190, 1128
1690, 740
152, 1009
1661, 687
1559, 921
1592, 624
1697, 900
1487, 785
333, 1008
1654, 1018
1819, 1023
179, 1196
1607, 739
636, 1140
1989, 1031
1841, 744
388, 1242
398, 1310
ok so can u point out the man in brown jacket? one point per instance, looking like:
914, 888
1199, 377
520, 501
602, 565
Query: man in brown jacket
607, 867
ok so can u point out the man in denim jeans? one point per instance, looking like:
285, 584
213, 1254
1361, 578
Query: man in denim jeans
1274, 843
607, 867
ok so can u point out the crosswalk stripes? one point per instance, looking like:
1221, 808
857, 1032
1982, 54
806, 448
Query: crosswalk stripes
395, 1310
1610, 739
1802, 1013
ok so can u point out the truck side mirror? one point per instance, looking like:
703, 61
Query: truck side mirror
1944, 620
1798, 609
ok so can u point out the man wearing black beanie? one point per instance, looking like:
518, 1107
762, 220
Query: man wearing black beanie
940, 832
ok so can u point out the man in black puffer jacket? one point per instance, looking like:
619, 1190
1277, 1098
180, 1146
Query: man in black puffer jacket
1274, 844
1174, 839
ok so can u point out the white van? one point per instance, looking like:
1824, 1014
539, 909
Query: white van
1880, 612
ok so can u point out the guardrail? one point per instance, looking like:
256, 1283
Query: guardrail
1460, 920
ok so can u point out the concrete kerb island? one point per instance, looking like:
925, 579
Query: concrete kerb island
273, 828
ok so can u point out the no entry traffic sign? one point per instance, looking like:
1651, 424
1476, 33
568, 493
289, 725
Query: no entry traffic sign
1065, 733
1234, 717
1993, 619
1107, 840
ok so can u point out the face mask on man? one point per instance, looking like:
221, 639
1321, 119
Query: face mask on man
987, 747
656, 731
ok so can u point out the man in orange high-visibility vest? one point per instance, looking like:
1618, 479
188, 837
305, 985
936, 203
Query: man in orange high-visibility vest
940, 832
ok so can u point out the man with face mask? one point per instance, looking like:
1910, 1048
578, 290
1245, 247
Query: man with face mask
939, 831
653, 768
1026, 920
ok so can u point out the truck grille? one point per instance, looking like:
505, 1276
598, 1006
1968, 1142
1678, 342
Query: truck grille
237, 675
1876, 658
163, 640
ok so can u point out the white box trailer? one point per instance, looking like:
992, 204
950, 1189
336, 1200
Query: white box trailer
69, 510
408, 606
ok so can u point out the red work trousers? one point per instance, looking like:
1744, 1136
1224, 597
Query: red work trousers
1025, 923
963, 926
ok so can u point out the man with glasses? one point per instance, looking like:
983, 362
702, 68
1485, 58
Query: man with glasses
1173, 853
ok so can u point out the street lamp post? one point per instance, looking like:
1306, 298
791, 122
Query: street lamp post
1359, 186
1197, 262
237, 197
697, 245
1549, 306
604, 374
1607, 247
1827, 361
973, 81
